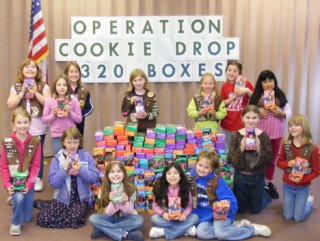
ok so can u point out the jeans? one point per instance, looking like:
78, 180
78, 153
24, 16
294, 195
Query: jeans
174, 229
22, 206
56, 145
250, 192
295, 202
223, 230
42, 138
228, 135
114, 227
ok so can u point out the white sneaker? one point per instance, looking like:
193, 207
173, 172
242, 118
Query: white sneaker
242, 223
310, 199
38, 186
192, 231
156, 232
261, 230
15, 230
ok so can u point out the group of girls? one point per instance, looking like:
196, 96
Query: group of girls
200, 192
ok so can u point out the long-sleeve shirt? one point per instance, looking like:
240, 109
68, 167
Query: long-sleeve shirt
306, 179
173, 192
60, 124
21, 148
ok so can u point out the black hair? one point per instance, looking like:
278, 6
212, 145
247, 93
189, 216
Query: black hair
160, 188
258, 90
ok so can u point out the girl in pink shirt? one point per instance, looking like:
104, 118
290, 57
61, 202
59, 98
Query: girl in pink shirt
61, 111
173, 205
116, 217
20, 164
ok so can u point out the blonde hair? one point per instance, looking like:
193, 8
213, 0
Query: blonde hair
135, 73
208, 75
300, 120
21, 112
212, 157
72, 133
75, 64
26, 62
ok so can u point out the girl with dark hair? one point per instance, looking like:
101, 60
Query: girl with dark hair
273, 116
172, 185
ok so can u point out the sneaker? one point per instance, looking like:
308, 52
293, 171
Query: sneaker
15, 230
9, 200
242, 223
96, 234
135, 235
192, 231
273, 191
310, 201
156, 232
261, 230
38, 186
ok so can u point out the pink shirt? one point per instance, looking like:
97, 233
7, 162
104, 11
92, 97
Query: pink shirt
60, 124
173, 192
125, 208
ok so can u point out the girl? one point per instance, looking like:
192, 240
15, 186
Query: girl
249, 157
206, 107
71, 173
272, 119
20, 164
172, 184
298, 150
61, 111
211, 191
137, 94
235, 98
29, 72
116, 217
73, 72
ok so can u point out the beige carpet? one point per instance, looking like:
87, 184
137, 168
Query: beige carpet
281, 230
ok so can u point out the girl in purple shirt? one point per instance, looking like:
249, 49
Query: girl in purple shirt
173, 205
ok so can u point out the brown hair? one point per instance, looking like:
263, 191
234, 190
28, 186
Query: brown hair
72, 133
235, 63
75, 64
128, 187
135, 73
300, 120
250, 108
212, 157
209, 75
20, 111
54, 86
26, 62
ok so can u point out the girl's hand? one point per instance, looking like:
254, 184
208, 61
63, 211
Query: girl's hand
10, 190
55, 111
243, 144
65, 165
202, 112
142, 115
25, 191
291, 163
111, 196
238, 92
67, 108
263, 112
133, 99
125, 197
276, 111
212, 113
182, 217
166, 216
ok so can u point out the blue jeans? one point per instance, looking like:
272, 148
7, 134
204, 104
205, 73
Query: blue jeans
22, 206
56, 145
42, 138
223, 230
294, 202
114, 227
174, 229
250, 192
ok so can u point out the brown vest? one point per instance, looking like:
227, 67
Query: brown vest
305, 153
14, 162
35, 107
82, 93
198, 100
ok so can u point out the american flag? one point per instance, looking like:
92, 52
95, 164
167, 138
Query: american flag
38, 45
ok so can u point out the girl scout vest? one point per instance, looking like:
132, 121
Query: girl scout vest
13, 155
82, 93
35, 107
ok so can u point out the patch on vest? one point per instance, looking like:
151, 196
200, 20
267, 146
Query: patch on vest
150, 94
34, 111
